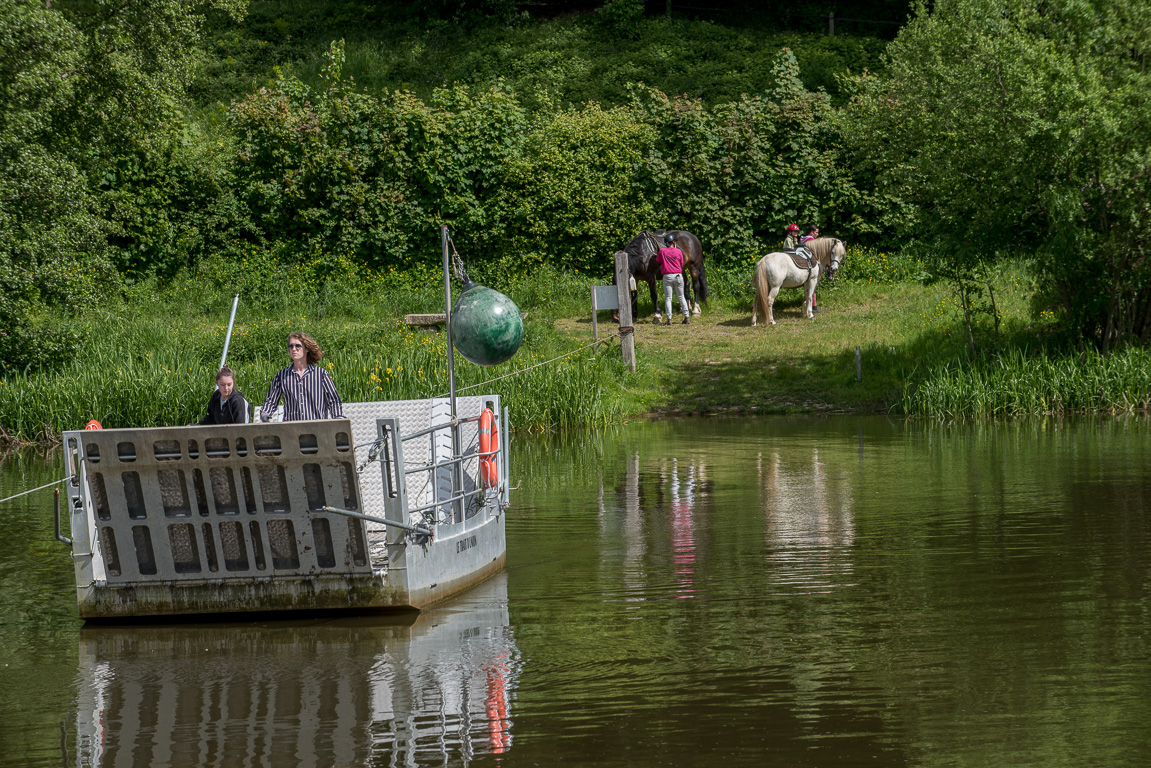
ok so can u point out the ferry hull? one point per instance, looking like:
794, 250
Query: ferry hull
321, 593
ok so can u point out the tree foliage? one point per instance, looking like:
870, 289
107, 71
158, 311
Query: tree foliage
575, 194
748, 167
335, 169
338, 170
79, 83
1023, 130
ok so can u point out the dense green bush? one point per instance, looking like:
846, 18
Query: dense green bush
749, 167
82, 84
337, 170
333, 170
575, 194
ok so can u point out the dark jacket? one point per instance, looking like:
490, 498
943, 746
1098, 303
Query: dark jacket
232, 412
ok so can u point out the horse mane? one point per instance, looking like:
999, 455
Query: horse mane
821, 247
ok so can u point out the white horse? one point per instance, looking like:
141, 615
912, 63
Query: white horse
778, 270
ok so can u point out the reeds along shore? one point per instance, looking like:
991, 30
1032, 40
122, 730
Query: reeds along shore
152, 360
1019, 382
145, 390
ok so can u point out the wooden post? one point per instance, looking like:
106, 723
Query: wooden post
627, 332
831, 23
858, 365
594, 322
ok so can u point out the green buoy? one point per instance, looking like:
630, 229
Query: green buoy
487, 327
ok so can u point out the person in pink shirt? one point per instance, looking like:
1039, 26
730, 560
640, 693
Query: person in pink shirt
671, 265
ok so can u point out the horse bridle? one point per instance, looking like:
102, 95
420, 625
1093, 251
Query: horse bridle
833, 266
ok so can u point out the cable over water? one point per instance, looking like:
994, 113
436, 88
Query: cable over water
537, 365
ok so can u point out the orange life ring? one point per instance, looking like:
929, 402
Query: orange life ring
93, 424
489, 443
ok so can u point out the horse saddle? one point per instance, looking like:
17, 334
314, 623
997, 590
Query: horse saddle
650, 246
802, 258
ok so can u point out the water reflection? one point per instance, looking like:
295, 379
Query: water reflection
809, 526
654, 514
863, 592
670, 487
682, 483
427, 689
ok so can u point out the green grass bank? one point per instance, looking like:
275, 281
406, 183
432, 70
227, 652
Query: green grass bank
149, 356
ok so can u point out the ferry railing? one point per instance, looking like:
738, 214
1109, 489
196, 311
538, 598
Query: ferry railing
403, 512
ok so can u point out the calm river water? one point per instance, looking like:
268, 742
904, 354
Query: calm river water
784, 592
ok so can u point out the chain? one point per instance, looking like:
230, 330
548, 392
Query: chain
458, 263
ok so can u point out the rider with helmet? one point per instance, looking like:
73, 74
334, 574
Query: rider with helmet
671, 266
791, 242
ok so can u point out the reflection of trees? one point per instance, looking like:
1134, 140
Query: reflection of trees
870, 591
1013, 569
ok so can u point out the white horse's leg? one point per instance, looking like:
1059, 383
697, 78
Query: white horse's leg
771, 303
755, 298
696, 310
811, 295
808, 292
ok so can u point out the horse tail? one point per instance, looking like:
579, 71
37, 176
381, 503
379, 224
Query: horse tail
762, 289
702, 282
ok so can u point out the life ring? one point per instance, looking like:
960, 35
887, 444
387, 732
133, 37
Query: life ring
489, 443
93, 424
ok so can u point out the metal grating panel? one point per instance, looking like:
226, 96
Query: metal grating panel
176, 503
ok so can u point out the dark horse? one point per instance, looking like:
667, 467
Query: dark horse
643, 265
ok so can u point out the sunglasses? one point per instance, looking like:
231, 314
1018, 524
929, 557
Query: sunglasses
295, 346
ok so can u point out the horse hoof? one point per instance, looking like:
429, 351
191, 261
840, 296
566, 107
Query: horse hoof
656, 320
696, 312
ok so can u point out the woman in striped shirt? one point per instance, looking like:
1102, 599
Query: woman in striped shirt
307, 390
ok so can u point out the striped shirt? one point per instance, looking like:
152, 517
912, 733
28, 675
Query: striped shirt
311, 396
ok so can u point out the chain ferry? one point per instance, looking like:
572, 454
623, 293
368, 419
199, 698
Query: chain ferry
399, 505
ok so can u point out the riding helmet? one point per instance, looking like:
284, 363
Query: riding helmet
669, 238
792, 227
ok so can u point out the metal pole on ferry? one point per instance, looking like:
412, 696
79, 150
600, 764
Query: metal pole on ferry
457, 515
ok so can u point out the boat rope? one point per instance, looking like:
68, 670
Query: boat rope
25, 493
537, 365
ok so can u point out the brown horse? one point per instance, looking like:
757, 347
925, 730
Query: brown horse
643, 265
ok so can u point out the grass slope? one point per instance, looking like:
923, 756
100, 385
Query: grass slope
719, 363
